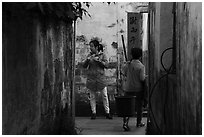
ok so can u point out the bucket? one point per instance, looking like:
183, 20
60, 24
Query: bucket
125, 106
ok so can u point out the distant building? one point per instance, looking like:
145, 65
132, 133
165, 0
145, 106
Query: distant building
81, 51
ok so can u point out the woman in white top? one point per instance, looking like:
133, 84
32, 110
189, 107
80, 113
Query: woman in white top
134, 72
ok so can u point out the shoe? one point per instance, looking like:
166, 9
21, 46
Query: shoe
140, 125
93, 116
126, 127
108, 116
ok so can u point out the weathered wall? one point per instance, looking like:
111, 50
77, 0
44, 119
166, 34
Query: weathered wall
166, 33
176, 98
36, 61
189, 66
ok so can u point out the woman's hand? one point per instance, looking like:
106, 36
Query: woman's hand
96, 58
90, 57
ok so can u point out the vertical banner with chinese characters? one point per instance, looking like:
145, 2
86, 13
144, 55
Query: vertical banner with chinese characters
133, 34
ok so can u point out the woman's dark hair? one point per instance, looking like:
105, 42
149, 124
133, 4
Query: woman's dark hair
95, 42
100, 48
136, 53
97, 45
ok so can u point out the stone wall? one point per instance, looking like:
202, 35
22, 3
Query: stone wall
36, 61
189, 66
175, 96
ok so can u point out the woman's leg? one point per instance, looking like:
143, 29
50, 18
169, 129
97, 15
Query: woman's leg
125, 123
139, 102
139, 110
106, 103
105, 100
93, 104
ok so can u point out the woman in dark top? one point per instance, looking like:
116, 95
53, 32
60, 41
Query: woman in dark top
95, 62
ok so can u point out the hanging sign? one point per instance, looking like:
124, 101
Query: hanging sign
133, 34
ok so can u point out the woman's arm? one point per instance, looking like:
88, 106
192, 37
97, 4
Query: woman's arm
102, 61
86, 62
144, 85
124, 69
142, 73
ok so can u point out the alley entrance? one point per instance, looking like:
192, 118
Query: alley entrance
171, 43
111, 24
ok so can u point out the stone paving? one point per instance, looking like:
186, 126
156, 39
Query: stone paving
102, 126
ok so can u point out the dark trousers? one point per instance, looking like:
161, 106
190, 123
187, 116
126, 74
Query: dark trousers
138, 104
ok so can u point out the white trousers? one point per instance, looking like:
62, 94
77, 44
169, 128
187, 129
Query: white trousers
104, 98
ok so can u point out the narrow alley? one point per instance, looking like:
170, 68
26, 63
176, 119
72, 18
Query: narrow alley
101, 68
101, 126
